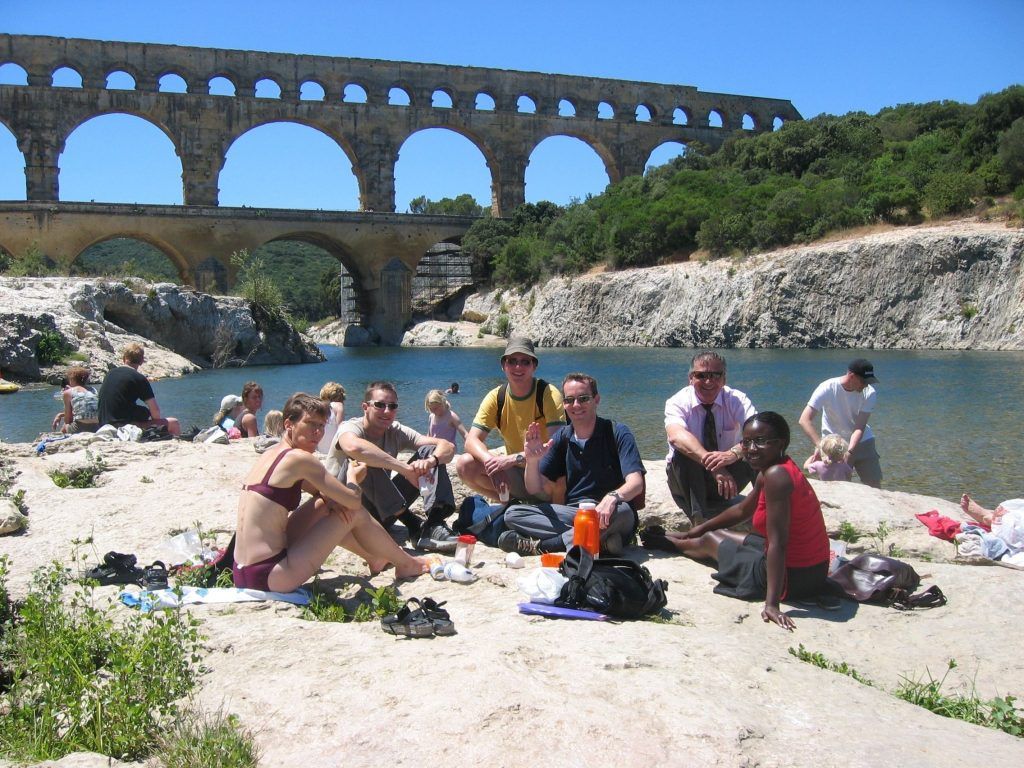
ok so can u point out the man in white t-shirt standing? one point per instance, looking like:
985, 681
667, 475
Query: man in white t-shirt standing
846, 403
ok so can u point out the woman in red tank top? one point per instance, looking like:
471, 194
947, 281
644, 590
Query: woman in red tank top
787, 554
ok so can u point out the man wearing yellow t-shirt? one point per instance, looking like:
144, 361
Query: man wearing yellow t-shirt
510, 409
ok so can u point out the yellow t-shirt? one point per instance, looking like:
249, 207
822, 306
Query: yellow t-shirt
517, 414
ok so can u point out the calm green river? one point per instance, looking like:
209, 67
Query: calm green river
945, 421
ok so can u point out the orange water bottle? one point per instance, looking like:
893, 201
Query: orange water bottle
587, 529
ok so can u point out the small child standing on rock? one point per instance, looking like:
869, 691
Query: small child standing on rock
831, 465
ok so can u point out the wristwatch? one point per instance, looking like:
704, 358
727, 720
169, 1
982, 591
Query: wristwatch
615, 495
519, 459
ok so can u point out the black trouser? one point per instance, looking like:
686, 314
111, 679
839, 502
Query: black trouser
695, 491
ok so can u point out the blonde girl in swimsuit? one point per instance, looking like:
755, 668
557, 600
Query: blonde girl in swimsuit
281, 543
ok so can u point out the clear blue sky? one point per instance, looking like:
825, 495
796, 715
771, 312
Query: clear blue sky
823, 56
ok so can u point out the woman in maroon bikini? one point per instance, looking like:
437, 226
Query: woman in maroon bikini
280, 543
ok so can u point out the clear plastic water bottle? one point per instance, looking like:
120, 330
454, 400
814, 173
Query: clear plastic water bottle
458, 572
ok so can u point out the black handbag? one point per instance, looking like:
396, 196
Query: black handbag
871, 578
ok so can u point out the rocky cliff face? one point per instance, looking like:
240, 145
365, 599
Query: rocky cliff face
958, 286
183, 330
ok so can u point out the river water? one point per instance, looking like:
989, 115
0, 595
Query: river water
946, 421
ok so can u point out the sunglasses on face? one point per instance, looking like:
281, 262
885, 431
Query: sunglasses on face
518, 362
380, 405
582, 399
760, 442
707, 375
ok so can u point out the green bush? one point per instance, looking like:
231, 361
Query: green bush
52, 348
258, 287
85, 676
80, 477
325, 606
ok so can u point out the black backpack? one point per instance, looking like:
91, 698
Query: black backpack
613, 586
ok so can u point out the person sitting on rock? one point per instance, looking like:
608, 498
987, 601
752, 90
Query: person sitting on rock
705, 465
231, 409
252, 401
333, 394
832, 464
590, 459
80, 404
123, 387
786, 557
510, 409
282, 541
375, 439
273, 427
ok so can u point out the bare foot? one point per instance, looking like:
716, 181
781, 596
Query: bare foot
376, 566
975, 510
416, 566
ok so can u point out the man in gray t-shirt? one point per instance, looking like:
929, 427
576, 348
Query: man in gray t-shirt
375, 439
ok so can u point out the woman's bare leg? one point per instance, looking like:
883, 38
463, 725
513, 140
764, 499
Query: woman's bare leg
703, 547
368, 539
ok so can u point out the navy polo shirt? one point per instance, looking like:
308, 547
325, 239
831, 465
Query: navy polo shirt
596, 469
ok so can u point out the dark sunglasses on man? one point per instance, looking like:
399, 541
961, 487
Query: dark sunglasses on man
380, 405
707, 375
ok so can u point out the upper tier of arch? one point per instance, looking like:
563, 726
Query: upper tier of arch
643, 115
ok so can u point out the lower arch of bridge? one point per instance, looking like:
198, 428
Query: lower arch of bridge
358, 283
453, 161
141, 165
581, 154
179, 263
126, 256
263, 156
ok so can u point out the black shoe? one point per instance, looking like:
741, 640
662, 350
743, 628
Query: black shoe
413, 525
510, 541
438, 538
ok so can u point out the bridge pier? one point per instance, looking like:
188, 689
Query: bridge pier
42, 171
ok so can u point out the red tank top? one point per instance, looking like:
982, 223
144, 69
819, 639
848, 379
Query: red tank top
808, 540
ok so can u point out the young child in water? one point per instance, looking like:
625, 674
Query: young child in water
443, 422
831, 465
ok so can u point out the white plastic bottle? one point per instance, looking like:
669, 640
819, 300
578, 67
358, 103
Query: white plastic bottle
458, 572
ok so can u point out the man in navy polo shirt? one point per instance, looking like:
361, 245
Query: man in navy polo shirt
590, 459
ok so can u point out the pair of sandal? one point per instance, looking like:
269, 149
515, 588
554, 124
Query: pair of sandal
427, 619
118, 568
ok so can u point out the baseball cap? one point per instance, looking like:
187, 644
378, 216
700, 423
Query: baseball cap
230, 401
864, 369
521, 345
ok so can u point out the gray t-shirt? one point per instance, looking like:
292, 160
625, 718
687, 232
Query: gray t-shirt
396, 438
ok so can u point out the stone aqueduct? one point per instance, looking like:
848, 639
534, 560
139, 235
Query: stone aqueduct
202, 128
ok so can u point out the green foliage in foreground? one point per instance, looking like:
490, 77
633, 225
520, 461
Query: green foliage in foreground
80, 477
207, 741
759, 192
820, 661
87, 676
999, 713
325, 606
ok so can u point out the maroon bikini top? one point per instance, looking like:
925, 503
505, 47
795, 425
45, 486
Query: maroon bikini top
288, 498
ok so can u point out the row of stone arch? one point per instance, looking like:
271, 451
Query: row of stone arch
124, 77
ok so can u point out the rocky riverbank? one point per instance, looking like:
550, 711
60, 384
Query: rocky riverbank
94, 319
950, 286
709, 684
